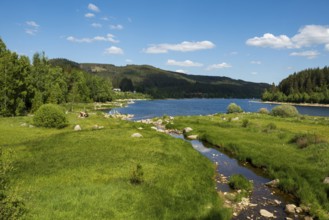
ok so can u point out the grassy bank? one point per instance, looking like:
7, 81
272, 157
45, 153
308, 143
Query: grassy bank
66, 174
294, 150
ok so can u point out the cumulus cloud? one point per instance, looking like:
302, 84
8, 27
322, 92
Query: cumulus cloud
269, 40
113, 50
96, 25
116, 27
256, 62
185, 46
219, 66
93, 7
32, 27
107, 38
307, 36
89, 15
186, 63
310, 54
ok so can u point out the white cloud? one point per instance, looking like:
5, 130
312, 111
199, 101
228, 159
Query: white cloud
107, 38
185, 46
89, 15
116, 27
96, 25
113, 50
93, 7
32, 27
181, 71
32, 24
105, 18
307, 36
186, 63
311, 35
256, 62
129, 61
254, 73
269, 40
219, 66
310, 54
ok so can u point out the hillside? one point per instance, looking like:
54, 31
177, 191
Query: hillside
307, 86
167, 84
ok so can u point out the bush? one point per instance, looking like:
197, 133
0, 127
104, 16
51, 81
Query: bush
245, 123
238, 181
285, 111
263, 111
304, 140
50, 116
233, 108
269, 127
137, 175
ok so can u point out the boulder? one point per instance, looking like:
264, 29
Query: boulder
136, 135
290, 208
187, 129
193, 137
266, 214
308, 218
77, 128
326, 180
273, 183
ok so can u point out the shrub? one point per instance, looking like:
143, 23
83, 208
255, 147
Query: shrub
269, 127
233, 108
304, 140
11, 205
50, 116
285, 111
137, 175
238, 181
263, 111
245, 123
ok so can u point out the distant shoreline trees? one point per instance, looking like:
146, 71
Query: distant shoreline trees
25, 86
307, 86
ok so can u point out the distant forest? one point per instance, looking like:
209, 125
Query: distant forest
25, 86
307, 86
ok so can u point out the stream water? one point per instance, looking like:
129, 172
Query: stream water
262, 196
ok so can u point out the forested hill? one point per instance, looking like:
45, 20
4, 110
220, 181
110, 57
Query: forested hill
307, 86
167, 84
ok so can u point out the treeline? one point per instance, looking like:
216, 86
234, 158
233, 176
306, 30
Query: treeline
307, 86
25, 86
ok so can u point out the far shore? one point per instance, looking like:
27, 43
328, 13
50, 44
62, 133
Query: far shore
298, 104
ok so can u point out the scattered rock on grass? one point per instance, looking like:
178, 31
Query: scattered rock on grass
290, 208
77, 128
187, 129
136, 135
193, 137
326, 180
273, 183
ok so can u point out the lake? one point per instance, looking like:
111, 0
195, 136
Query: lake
156, 108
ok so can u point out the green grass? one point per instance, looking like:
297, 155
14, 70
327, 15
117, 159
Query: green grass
266, 143
63, 174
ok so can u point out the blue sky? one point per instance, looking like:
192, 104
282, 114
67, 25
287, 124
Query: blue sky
253, 40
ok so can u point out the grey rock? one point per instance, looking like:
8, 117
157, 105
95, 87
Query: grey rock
136, 135
187, 129
77, 128
290, 208
266, 214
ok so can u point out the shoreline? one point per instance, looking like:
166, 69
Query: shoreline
297, 104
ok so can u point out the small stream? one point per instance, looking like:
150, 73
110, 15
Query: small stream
263, 197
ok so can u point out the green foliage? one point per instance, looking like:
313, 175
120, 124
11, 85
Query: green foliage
137, 175
24, 87
245, 123
285, 111
238, 181
304, 140
269, 127
50, 116
307, 86
263, 111
11, 205
233, 108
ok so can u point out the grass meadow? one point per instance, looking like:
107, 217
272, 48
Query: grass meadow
67, 174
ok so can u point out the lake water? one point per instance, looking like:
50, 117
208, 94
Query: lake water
157, 108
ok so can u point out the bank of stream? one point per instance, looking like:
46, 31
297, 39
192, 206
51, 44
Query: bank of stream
262, 196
